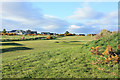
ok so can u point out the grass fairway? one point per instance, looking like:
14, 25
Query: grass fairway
19, 36
60, 58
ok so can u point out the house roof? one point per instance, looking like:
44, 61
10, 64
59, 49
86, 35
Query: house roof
33, 31
13, 31
45, 32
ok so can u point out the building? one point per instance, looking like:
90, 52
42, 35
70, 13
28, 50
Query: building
47, 33
52, 33
18, 32
31, 32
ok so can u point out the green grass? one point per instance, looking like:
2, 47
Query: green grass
20, 36
59, 58
112, 40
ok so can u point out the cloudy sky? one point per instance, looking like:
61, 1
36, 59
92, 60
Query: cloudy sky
75, 17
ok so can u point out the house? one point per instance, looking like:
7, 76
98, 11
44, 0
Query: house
52, 33
18, 32
31, 32
48, 33
45, 33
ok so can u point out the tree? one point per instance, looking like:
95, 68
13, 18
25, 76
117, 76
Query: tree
28, 31
89, 34
4, 31
66, 32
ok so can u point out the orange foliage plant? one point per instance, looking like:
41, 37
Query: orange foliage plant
109, 55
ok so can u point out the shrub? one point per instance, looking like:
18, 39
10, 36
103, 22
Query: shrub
103, 33
54, 37
88, 34
96, 50
114, 32
36, 38
49, 37
109, 55
81, 34
61, 34
66, 32
69, 34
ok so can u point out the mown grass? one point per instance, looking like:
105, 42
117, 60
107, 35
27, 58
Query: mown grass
60, 58
20, 36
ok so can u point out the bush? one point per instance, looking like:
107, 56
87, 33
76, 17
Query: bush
36, 38
88, 34
109, 55
61, 34
49, 37
69, 34
103, 33
81, 34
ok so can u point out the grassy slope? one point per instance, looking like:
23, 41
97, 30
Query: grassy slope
65, 59
111, 40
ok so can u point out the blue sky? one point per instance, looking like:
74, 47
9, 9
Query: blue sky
63, 9
76, 17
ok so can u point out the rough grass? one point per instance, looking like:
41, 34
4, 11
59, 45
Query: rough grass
111, 40
48, 59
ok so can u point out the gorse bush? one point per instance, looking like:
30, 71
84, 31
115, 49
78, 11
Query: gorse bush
96, 50
91, 34
49, 37
104, 50
61, 34
69, 34
108, 56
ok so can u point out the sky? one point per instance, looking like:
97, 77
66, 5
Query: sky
58, 17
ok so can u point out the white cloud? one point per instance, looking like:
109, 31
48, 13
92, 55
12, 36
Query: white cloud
23, 15
85, 12
93, 21
108, 19
74, 28
50, 27
49, 16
